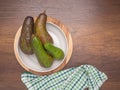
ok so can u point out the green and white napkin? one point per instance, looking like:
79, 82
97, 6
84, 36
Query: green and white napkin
77, 78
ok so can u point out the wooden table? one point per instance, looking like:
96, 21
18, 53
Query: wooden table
93, 24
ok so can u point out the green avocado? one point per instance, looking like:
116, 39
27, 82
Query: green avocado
43, 57
54, 51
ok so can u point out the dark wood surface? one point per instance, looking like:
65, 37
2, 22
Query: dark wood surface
93, 24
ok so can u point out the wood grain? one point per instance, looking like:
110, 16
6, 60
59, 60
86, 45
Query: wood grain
93, 24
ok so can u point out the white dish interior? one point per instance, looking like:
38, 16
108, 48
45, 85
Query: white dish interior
59, 40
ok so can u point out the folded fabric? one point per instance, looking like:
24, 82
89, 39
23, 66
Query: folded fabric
77, 78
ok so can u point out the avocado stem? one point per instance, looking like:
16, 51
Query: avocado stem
44, 11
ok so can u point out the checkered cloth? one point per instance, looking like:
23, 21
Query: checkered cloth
79, 78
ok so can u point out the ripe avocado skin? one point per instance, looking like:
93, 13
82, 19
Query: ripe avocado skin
26, 33
40, 28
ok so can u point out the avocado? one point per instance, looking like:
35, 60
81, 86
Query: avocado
26, 33
40, 28
54, 51
43, 57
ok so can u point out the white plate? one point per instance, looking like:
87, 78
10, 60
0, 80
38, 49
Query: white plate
30, 62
